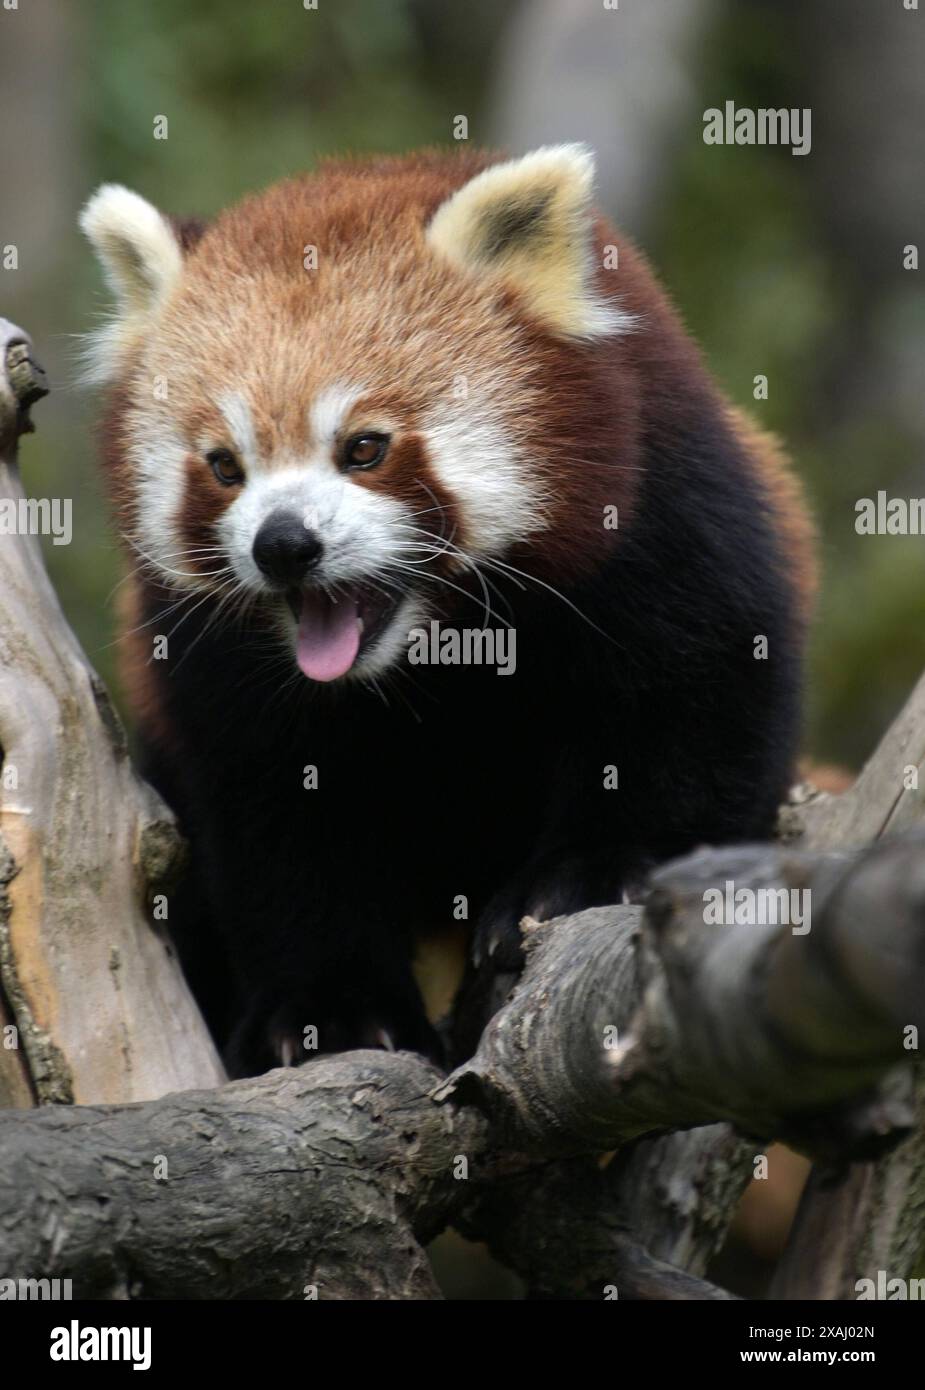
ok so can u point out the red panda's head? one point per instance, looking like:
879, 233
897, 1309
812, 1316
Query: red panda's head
359, 388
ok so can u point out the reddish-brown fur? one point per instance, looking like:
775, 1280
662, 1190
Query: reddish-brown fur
713, 548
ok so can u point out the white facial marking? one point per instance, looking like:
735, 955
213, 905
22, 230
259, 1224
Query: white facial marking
160, 478
476, 460
328, 411
236, 413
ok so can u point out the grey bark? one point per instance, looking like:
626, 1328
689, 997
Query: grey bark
856, 1220
565, 1228
99, 1004
315, 1182
775, 1032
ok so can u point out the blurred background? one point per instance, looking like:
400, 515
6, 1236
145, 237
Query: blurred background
791, 267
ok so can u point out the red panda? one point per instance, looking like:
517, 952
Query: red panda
439, 389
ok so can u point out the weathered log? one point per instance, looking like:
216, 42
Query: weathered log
782, 1034
853, 1222
320, 1181
678, 1192
96, 999
888, 795
563, 1227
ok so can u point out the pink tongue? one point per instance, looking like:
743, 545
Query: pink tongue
328, 638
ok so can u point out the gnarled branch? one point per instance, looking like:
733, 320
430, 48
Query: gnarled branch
100, 1008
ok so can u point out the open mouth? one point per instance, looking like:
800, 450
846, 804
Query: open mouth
334, 629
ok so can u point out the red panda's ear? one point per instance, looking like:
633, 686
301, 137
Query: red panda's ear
141, 259
528, 223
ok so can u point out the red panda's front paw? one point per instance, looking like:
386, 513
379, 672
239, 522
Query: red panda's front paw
286, 1033
554, 887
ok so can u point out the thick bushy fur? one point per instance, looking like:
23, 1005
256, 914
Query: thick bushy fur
636, 647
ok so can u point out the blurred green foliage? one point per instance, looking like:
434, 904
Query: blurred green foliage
741, 245
253, 92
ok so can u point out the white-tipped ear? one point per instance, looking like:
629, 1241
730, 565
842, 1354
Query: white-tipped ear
142, 261
528, 224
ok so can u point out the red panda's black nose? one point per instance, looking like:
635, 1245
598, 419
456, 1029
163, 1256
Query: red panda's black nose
285, 550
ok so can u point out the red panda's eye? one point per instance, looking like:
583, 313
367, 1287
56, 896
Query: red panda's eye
365, 450
225, 466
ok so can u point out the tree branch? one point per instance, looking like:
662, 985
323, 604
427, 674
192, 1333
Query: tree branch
747, 1023
328, 1175
101, 1010
870, 1216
